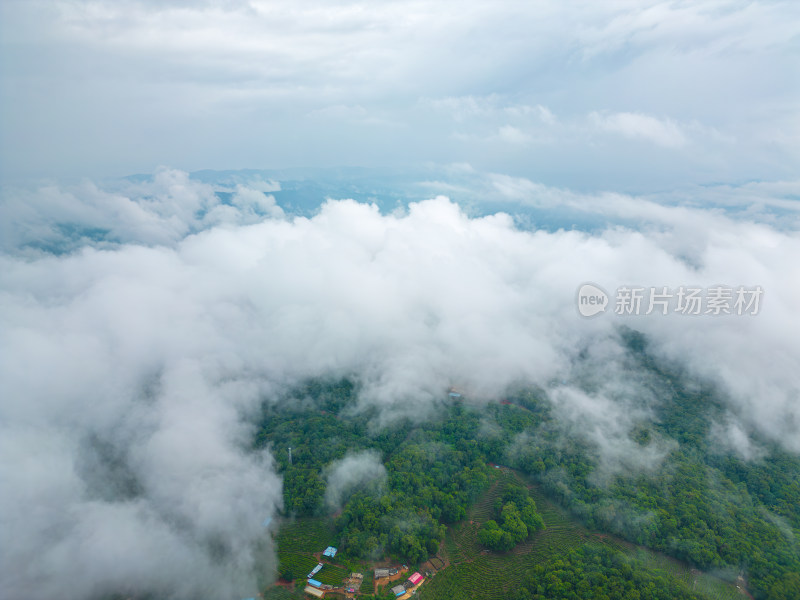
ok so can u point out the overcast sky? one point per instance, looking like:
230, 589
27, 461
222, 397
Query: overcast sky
625, 95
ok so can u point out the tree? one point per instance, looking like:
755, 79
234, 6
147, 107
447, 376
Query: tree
531, 517
512, 523
495, 538
786, 588
489, 535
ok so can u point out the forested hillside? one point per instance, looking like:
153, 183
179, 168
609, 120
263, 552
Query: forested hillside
701, 504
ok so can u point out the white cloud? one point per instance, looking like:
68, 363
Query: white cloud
512, 135
663, 132
222, 85
131, 372
160, 211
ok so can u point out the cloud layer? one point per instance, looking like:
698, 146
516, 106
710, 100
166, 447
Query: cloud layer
133, 369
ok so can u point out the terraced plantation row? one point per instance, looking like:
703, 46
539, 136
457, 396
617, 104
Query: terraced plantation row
278, 593
297, 543
298, 564
477, 574
307, 535
301, 564
299, 540
709, 586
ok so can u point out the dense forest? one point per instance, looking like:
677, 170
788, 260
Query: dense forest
598, 573
434, 472
707, 507
702, 505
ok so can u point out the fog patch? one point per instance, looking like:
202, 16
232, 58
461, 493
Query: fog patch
730, 437
358, 471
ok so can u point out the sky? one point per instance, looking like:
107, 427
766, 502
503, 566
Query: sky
499, 156
632, 96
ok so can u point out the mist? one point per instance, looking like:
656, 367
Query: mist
362, 470
135, 361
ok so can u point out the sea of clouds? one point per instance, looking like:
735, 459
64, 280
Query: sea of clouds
144, 324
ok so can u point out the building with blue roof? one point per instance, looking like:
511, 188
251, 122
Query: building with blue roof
315, 570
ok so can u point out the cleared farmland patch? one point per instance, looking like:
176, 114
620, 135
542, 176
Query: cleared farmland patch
476, 574
480, 575
332, 575
301, 564
308, 535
